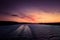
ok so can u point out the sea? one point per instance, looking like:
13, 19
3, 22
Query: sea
30, 32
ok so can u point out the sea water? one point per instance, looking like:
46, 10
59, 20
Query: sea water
34, 31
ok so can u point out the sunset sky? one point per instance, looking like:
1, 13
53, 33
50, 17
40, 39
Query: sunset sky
34, 11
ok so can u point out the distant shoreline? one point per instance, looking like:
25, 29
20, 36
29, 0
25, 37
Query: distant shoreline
13, 23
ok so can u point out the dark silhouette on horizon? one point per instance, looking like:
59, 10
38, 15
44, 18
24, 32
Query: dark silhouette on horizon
13, 23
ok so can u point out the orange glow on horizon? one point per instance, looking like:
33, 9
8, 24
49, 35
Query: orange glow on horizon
39, 17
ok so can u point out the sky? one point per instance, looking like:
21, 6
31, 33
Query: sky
33, 11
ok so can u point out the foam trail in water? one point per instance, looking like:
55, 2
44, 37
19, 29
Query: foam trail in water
23, 31
27, 32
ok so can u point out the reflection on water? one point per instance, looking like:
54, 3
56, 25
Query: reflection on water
35, 31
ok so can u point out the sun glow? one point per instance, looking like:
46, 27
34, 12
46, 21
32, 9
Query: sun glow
35, 17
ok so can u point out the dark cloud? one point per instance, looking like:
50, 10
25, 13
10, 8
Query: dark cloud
23, 16
15, 15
